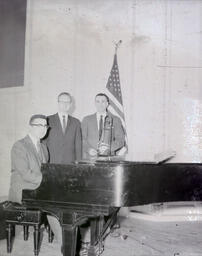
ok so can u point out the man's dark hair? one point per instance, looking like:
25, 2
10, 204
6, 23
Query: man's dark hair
33, 117
102, 94
65, 93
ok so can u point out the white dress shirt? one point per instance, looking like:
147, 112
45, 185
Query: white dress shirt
98, 115
61, 118
34, 141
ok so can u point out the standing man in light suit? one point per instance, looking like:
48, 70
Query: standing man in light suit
27, 155
64, 137
93, 124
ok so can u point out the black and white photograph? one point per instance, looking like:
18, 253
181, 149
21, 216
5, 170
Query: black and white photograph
100, 127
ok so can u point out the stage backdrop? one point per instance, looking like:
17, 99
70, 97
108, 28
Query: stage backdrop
70, 47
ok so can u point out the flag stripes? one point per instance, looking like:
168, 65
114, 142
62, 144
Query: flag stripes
113, 91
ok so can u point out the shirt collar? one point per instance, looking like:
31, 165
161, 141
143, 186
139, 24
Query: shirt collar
101, 114
34, 140
62, 114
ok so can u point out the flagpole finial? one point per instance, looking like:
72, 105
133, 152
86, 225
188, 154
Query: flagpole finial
117, 45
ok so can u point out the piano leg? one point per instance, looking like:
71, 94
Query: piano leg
99, 230
96, 228
96, 244
26, 228
9, 237
69, 240
36, 240
50, 234
13, 230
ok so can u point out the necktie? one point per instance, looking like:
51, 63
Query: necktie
39, 150
63, 124
100, 127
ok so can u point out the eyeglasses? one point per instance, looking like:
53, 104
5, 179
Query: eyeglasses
41, 125
66, 102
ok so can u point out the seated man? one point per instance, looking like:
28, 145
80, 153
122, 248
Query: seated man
93, 126
27, 155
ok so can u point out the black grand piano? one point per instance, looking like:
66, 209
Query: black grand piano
75, 193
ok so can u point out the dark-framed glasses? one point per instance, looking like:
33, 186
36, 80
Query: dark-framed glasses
41, 125
64, 102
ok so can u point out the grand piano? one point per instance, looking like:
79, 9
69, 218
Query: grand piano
78, 192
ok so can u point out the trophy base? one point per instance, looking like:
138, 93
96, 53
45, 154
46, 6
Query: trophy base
109, 158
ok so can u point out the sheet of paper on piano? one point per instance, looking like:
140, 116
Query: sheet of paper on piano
164, 156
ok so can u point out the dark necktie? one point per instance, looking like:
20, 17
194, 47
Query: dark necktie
39, 150
100, 127
63, 124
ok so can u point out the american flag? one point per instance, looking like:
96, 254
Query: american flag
114, 93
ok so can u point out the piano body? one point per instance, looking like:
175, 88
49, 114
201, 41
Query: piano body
78, 192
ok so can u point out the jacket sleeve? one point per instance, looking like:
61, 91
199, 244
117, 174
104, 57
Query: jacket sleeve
20, 164
118, 134
78, 143
85, 144
45, 151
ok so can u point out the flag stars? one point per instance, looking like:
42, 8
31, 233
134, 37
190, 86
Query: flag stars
113, 84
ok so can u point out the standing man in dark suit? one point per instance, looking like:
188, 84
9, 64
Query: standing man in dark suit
27, 155
93, 124
64, 137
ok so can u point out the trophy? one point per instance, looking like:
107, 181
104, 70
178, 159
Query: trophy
104, 144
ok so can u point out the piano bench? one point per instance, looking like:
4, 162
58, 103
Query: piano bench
16, 214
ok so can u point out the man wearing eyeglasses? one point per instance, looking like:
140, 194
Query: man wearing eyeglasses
64, 137
27, 155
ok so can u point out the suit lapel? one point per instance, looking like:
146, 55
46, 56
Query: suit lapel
57, 122
32, 148
69, 120
43, 154
94, 126
59, 125
94, 122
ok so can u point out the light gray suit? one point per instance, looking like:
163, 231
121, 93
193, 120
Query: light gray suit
90, 134
25, 167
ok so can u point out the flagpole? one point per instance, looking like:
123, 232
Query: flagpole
117, 45
126, 137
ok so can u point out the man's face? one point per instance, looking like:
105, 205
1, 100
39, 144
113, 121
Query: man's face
64, 104
101, 104
39, 128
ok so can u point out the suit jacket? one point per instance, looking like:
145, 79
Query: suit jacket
64, 147
25, 167
90, 134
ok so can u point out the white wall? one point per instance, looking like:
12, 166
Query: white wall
69, 47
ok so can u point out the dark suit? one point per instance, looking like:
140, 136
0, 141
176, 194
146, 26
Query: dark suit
90, 134
64, 147
25, 167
